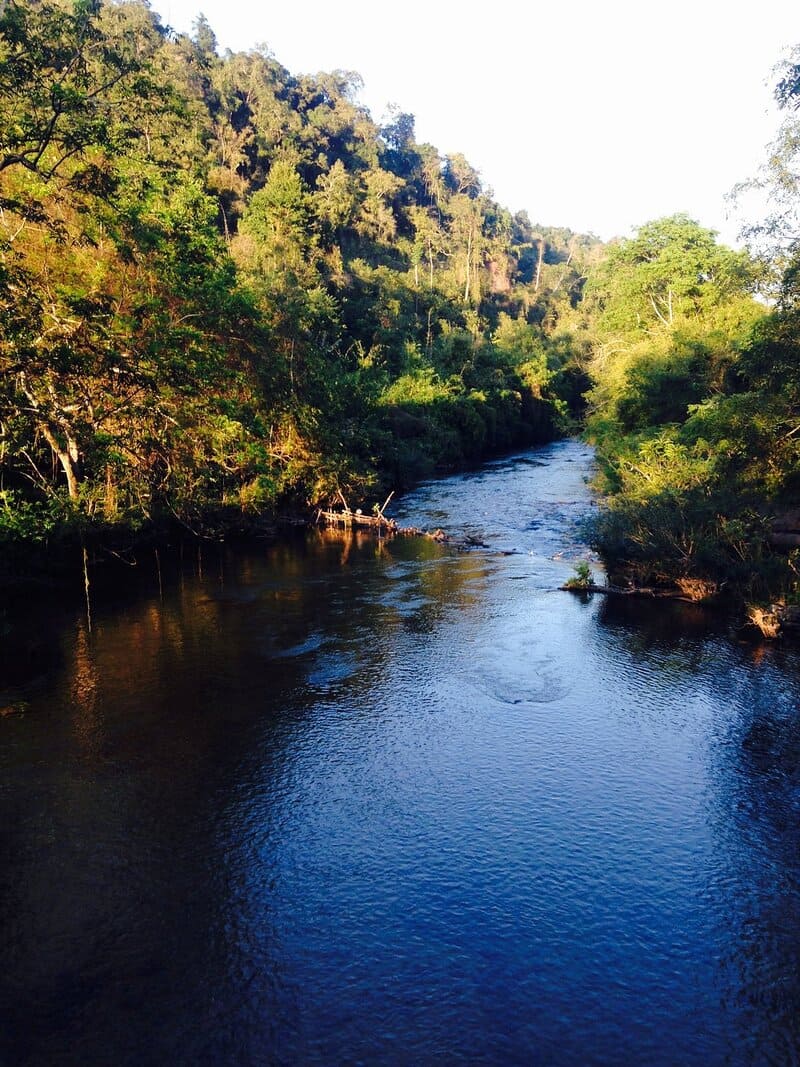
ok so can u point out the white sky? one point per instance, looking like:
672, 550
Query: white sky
593, 114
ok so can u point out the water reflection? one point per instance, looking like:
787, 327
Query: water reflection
349, 801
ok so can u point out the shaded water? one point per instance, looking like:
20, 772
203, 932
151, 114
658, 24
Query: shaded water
342, 802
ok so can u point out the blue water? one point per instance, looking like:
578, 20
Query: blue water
340, 801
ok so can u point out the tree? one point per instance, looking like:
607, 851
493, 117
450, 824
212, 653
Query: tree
278, 218
400, 155
461, 177
670, 310
217, 278
336, 199
66, 71
203, 36
777, 235
672, 270
466, 220
377, 220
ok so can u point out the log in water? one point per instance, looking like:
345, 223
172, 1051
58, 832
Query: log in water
346, 800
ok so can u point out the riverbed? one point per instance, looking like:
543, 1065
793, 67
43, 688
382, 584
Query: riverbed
337, 800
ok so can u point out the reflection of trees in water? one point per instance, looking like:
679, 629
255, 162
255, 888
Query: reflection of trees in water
662, 624
153, 777
237, 642
127, 846
753, 777
669, 640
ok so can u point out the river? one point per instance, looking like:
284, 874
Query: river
336, 801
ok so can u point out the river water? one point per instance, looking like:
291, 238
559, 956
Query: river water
336, 802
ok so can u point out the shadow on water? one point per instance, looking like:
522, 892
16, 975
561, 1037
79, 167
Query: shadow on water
754, 885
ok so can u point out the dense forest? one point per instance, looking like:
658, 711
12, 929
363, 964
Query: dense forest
227, 291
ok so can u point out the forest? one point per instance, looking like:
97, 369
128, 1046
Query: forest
227, 292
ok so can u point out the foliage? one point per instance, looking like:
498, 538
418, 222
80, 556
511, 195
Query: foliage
225, 289
695, 405
582, 579
777, 235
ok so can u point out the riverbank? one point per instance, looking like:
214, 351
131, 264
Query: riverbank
42, 560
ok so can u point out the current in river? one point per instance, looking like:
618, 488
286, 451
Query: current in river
336, 800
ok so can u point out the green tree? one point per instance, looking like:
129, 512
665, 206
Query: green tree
278, 222
669, 310
71, 75
671, 271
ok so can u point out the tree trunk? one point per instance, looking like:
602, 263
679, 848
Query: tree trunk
68, 457
539, 265
566, 266
469, 264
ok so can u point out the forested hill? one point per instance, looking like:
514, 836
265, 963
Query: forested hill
225, 288
226, 291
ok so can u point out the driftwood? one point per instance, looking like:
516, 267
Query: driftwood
652, 592
347, 519
608, 590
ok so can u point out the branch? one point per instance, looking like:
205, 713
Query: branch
658, 313
40, 479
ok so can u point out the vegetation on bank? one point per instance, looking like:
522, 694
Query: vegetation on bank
696, 398
225, 289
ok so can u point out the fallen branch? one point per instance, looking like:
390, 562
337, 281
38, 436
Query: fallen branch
383, 527
347, 518
653, 592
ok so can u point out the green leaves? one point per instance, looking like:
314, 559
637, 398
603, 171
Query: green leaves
221, 285
671, 271
62, 71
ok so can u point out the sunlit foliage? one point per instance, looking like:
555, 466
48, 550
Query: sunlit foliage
225, 289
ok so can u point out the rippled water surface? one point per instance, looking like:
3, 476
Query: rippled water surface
339, 802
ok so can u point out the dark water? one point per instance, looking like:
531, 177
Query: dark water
340, 802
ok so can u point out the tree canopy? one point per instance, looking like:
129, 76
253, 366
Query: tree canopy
225, 288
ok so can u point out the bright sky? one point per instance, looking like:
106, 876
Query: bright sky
593, 114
